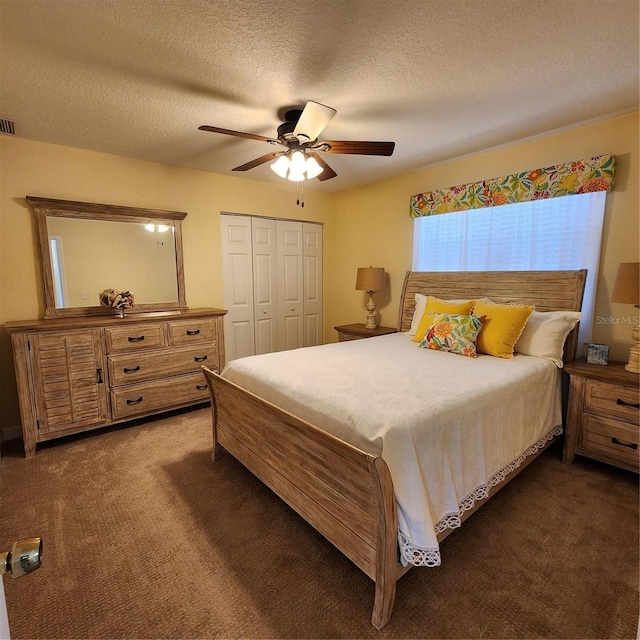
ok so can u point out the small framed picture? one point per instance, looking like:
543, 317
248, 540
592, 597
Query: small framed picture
598, 354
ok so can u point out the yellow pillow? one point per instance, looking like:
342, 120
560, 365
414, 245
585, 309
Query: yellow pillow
503, 325
440, 306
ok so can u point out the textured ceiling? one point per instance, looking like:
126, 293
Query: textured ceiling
441, 78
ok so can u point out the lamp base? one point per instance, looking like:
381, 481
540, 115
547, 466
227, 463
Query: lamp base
634, 353
371, 312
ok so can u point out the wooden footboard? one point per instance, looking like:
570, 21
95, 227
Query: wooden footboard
345, 493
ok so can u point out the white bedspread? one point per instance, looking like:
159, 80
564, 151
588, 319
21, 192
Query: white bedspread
448, 427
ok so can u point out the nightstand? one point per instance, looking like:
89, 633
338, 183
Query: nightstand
602, 415
358, 331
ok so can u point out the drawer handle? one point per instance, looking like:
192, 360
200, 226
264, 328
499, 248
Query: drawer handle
131, 370
138, 339
200, 358
135, 401
631, 445
627, 404
201, 387
193, 332
99, 374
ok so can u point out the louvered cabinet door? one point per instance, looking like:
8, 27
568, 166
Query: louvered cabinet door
68, 371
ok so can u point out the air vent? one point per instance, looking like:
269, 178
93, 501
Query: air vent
8, 127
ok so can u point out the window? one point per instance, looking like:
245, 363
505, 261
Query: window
550, 234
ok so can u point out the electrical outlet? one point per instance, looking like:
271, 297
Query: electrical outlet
86, 295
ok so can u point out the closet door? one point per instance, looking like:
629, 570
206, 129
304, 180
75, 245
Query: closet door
290, 285
237, 252
265, 247
312, 254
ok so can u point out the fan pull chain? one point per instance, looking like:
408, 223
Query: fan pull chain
300, 199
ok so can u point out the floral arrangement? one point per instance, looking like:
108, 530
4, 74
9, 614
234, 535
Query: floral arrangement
116, 299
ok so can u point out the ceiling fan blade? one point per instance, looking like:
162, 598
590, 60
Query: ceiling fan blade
315, 117
238, 134
328, 172
257, 162
360, 148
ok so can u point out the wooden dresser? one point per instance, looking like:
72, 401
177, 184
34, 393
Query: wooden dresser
78, 374
603, 414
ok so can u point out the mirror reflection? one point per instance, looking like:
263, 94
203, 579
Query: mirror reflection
88, 256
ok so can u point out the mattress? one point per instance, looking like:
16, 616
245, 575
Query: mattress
449, 427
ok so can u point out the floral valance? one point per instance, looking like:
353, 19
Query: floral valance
580, 176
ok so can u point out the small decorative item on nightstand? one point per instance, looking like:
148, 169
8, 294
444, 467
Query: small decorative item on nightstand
598, 354
626, 289
370, 279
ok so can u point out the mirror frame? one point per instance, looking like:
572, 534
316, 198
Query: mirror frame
47, 207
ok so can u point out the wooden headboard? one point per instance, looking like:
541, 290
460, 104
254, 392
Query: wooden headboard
546, 290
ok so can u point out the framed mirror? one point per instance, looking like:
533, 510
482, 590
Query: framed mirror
87, 248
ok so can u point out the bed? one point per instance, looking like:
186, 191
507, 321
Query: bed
350, 468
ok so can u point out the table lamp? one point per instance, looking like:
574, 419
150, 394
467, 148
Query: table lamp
370, 279
626, 289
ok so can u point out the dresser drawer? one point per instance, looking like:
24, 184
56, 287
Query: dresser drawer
149, 365
612, 400
183, 332
134, 337
610, 439
159, 395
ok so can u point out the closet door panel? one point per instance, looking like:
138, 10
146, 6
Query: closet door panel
312, 252
237, 254
265, 249
292, 326
290, 285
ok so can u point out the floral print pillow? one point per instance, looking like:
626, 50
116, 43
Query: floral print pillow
454, 333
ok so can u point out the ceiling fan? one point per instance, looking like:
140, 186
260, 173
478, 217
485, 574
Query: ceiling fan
299, 134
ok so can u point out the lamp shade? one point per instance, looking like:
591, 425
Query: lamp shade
370, 279
281, 166
626, 287
313, 168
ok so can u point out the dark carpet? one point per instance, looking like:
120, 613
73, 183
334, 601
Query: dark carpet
144, 537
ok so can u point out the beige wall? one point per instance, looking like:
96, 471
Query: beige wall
372, 225
52, 171
365, 226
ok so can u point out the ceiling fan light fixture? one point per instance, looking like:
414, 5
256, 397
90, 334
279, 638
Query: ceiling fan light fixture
281, 166
313, 168
297, 162
297, 167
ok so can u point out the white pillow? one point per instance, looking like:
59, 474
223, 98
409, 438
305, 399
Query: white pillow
421, 303
544, 334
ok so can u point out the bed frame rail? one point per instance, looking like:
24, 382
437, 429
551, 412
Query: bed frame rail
345, 493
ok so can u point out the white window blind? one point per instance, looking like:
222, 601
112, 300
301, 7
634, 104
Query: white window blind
551, 234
